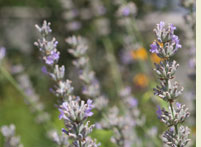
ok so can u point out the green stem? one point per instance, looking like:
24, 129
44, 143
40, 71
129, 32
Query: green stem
113, 64
7, 75
173, 117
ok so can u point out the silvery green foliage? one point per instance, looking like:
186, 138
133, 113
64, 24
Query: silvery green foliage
173, 139
168, 91
91, 86
11, 140
166, 45
166, 69
33, 101
73, 111
178, 116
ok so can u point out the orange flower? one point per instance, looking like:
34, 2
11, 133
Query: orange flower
141, 80
140, 54
155, 58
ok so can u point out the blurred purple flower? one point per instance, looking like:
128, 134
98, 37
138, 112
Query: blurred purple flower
154, 48
2, 52
90, 106
176, 40
126, 11
52, 57
172, 28
159, 112
126, 57
161, 25
64, 107
133, 102
44, 70
178, 105
63, 130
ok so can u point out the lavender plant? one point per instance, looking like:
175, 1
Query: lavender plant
73, 111
11, 140
91, 86
165, 46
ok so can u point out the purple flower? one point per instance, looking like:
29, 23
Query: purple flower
126, 57
126, 11
176, 40
49, 60
62, 115
154, 48
161, 25
159, 112
55, 55
64, 107
133, 102
52, 57
172, 28
178, 105
2, 52
44, 70
63, 130
171, 129
90, 106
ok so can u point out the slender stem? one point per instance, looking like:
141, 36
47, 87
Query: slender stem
113, 63
173, 117
7, 75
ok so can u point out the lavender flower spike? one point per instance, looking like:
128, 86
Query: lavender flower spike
73, 111
165, 46
167, 42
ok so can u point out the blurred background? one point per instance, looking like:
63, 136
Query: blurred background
118, 36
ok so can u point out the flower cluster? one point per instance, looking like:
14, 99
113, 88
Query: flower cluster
73, 111
10, 139
166, 45
167, 42
50, 55
91, 87
47, 48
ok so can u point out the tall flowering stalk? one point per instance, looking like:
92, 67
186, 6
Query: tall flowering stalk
73, 111
165, 46
91, 86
